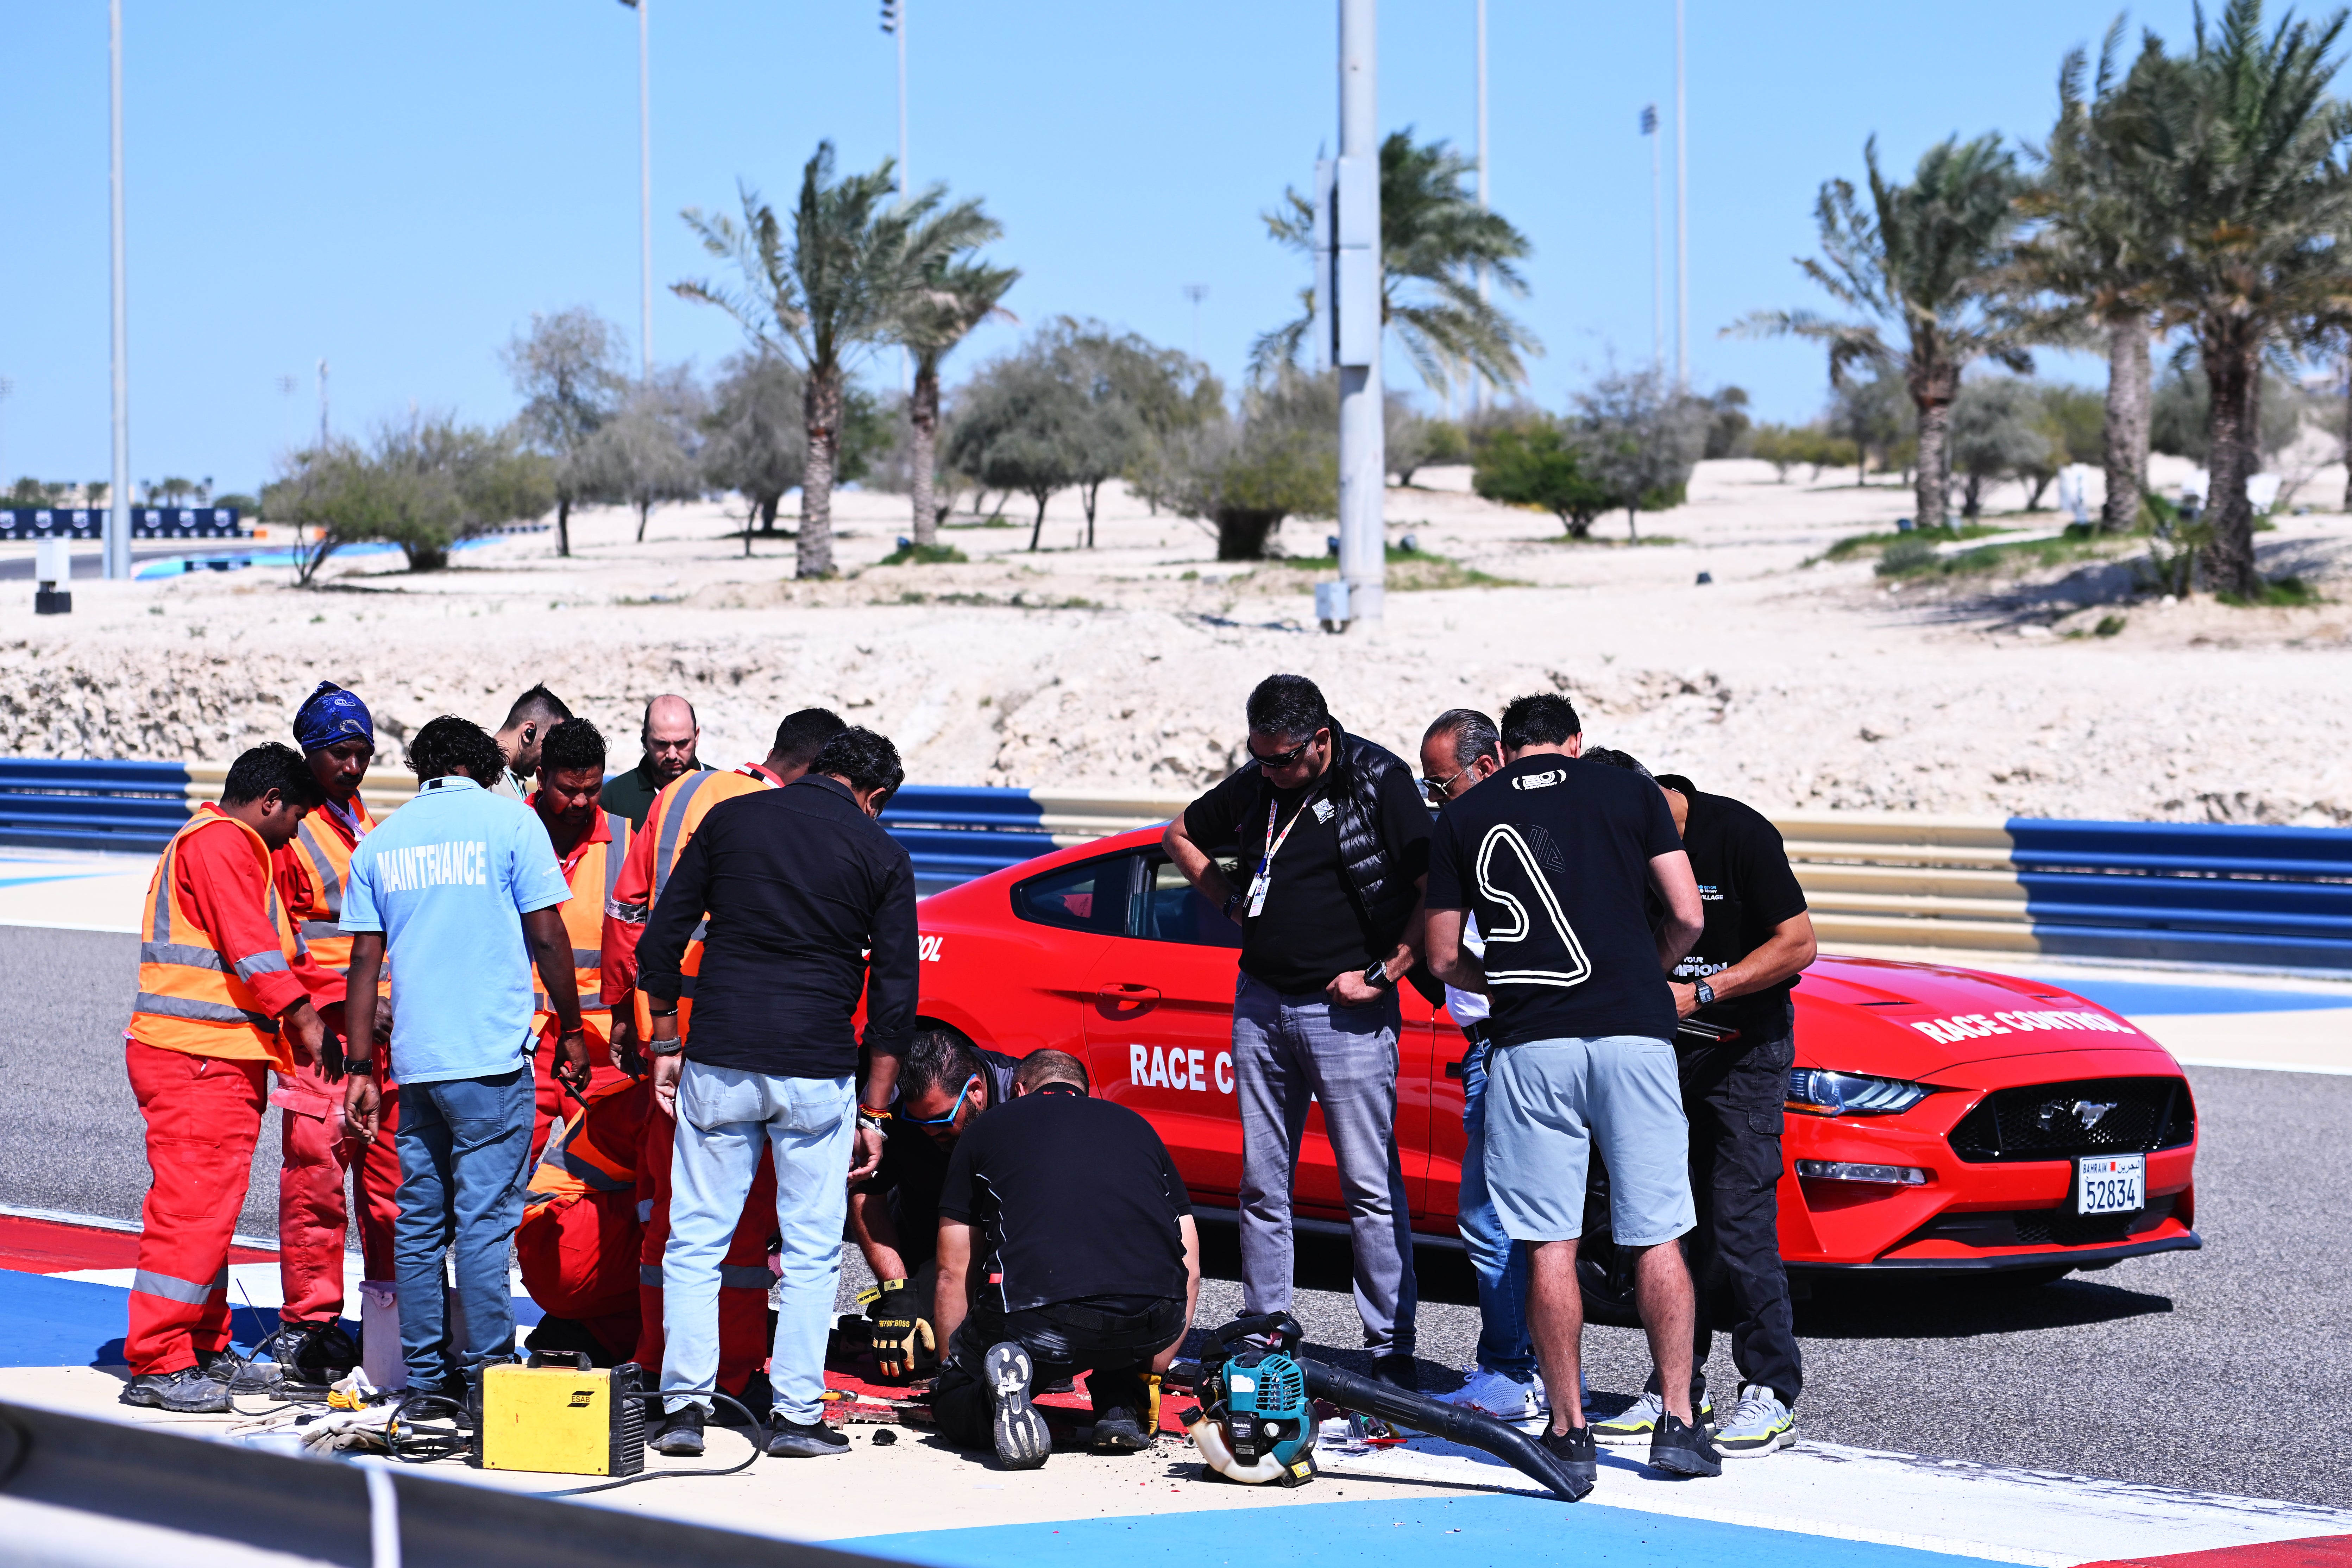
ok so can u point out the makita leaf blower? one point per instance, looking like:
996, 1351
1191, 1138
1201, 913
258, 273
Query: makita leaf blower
1256, 1421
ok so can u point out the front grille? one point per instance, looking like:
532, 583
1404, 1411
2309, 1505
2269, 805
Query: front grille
2044, 1228
2048, 1122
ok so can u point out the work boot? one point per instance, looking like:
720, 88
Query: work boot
1397, 1371
680, 1433
1576, 1455
190, 1391
1680, 1448
322, 1355
802, 1440
259, 1372
1119, 1431
1023, 1442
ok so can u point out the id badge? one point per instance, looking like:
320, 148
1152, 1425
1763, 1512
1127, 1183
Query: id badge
1258, 890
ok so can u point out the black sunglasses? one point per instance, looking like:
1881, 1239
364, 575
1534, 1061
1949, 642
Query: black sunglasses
1284, 759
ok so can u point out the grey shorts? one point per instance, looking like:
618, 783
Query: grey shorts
1550, 1102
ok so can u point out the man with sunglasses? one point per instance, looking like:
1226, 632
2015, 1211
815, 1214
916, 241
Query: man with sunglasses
944, 1083
1334, 846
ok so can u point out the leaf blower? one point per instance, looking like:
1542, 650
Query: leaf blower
1256, 1420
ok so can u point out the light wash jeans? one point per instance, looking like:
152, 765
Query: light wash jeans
465, 1157
1499, 1263
1289, 1051
724, 1115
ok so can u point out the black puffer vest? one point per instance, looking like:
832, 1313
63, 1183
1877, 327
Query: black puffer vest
1382, 894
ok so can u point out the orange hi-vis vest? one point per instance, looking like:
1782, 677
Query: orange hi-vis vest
192, 996
597, 1151
328, 859
593, 874
676, 812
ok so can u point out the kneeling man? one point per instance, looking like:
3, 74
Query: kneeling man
1065, 1244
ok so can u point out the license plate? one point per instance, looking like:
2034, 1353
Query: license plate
2111, 1183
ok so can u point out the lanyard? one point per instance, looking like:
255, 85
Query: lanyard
1263, 880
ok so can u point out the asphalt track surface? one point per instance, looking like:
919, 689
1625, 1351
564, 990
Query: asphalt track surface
2218, 1371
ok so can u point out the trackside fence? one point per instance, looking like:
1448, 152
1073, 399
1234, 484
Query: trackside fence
2168, 892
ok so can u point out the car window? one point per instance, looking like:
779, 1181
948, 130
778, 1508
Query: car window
1172, 911
1089, 895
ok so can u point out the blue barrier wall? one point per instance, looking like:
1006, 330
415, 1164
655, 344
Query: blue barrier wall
2178, 892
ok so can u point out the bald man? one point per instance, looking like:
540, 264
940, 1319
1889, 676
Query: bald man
670, 735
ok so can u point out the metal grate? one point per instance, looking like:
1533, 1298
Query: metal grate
2089, 1116
2045, 1228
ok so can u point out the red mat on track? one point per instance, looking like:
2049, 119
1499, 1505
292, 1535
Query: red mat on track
51, 1246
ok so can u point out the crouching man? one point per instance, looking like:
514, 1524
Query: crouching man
1065, 1244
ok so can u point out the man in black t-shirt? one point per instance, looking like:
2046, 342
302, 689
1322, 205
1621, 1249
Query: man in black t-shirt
1334, 846
1555, 856
1735, 1048
1065, 1244
944, 1081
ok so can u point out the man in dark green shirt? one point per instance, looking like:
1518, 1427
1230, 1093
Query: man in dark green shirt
670, 735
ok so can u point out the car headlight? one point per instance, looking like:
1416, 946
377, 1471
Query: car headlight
1852, 1093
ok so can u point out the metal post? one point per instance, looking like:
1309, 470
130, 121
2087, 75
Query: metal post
118, 514
898, 30
322, 407
1196, 292
644, 184
1682, 213
1477, 382
1363, 457
1658, 247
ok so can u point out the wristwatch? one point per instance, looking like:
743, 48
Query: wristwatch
1705, 993
1377, 975
877, 1119
669, 1048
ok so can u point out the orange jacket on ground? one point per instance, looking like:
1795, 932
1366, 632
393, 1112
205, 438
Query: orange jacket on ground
219, 959
676, 812
579, 1240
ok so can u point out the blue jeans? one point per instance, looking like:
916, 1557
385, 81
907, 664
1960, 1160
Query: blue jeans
724, 1116
464, 1154
1500, 1263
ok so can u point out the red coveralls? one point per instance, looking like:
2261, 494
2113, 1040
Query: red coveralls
744, 1275
218, 961
591, 868
316, 1150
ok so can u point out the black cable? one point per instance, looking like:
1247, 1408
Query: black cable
759, 1444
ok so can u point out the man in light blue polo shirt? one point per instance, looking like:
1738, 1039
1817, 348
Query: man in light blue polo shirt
463, 890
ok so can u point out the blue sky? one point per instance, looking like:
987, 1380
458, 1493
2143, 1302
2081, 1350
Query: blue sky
396, 188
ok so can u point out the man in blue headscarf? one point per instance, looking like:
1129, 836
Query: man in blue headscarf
309, 1349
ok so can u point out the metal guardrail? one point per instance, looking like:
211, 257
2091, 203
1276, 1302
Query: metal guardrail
2174, 892
81, 1491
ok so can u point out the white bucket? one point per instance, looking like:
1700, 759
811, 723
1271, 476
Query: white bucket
380, 1334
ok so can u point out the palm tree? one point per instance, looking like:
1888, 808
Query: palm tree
827, 293
1434, 239
1928, 258
2095, 251
953, 297
2245, 156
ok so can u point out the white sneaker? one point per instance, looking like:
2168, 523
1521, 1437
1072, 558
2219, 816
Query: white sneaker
1543, 1394
1761, 1424
1504, 1399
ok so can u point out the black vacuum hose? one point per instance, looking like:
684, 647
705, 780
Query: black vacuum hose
1454, 1423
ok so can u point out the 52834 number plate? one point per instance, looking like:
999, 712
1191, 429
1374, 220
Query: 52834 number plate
2111, 1183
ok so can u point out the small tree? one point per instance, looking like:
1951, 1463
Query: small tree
1242, 477
954, 297
424, 485
2000, 429
1536, 465
1018, 428
1415, 441
755, 442
651, 450
568, 369
1641, 440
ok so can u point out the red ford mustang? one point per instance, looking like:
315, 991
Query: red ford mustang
1939, 1118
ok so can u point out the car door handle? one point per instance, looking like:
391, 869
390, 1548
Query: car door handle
1127, 994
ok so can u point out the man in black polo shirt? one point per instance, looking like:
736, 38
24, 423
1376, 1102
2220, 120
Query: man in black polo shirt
944, 1081
1732, 1053
1065, 1246
1335, 848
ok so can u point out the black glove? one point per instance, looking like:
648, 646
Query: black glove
902, 1339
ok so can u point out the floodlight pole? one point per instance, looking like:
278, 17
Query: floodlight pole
645, 185
1356, 273
118, 512
1682, 213
1196, 292
1658, 247
1477, 382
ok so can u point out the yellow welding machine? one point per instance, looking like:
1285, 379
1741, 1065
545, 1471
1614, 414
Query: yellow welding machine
571, 1419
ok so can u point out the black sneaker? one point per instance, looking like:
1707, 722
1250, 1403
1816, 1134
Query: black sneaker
798, 1441
680, 1433
1119, 1431
300, 1356
190, 1391
1022, 1440
1397, 1371
1680, 1448
1577, 1456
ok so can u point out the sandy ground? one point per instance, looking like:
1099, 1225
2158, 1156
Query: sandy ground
1794, 682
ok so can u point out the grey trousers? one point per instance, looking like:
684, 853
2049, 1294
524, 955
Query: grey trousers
1291, 1051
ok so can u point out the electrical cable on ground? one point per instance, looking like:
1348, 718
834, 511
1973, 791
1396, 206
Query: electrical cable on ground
758, 1446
